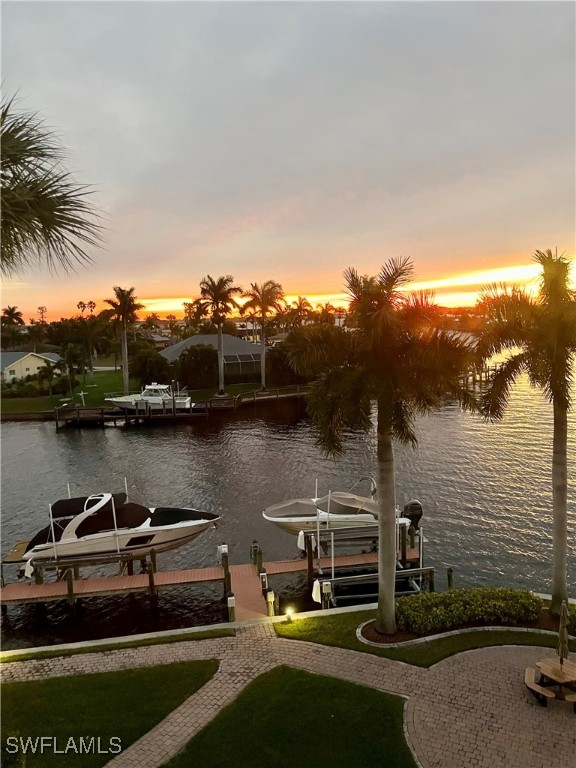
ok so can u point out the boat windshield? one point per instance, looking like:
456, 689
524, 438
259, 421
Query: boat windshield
156, 392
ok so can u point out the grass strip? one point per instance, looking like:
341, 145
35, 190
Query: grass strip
340, 631
289, 718
123, 704
186, 636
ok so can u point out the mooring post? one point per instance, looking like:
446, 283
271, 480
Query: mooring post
130, 567
231, 603
76, 572
450, 574
270, 602
226, 567
403, 558
258, 562
70, 585
326, 594
310, 562
38, 575
151, 585
153, 559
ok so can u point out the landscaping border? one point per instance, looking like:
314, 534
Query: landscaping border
442, 635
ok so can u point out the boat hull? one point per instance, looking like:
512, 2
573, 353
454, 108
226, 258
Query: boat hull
142, 405
135, 543
323, 522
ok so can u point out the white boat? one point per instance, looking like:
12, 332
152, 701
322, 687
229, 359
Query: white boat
154, 397
106, 525
338, 509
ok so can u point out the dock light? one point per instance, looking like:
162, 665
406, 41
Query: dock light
289, 612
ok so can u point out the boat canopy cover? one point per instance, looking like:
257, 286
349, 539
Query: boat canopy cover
129, 515
292, 508
73, 507
342, 503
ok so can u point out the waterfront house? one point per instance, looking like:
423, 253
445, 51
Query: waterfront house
240, 357
18, 365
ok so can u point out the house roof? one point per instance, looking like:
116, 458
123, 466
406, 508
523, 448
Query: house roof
232, 346
11, 358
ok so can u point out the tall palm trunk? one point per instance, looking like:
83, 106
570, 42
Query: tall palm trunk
263, 355
559, 508
220, 360
386, 614
125, 374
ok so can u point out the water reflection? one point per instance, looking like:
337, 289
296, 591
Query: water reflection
485, 489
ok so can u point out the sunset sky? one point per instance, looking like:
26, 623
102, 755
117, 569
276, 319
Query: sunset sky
290, 140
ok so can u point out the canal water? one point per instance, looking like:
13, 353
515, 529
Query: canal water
485, 490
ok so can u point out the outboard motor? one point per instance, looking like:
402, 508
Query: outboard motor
413, 511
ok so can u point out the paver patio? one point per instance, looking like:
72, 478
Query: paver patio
471, 710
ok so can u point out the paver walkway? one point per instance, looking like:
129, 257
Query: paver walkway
469, 711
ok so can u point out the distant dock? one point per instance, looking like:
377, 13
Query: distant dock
83, 416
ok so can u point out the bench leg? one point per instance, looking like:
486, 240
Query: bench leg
542, 700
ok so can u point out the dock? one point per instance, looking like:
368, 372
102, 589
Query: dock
247, 583
76, 415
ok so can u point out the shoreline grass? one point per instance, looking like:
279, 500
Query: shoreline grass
105, 382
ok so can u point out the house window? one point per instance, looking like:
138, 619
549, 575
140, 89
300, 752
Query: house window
12, 372
27, 369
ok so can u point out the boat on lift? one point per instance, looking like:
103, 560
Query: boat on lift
338, 509
106, 525
154, 397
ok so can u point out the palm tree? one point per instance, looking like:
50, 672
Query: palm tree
46, 215
124, 309
46, 373
217, 299
151, 322
325, 313
35, 333
262, 299
11, 321
395, 357
12, 316
539, 335
300, 310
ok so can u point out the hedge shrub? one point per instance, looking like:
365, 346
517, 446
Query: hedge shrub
442, 611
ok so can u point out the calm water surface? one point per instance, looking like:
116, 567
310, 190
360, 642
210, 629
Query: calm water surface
485, 489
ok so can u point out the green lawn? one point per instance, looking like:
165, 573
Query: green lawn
105, 382
122, 704
289, 718
340, 630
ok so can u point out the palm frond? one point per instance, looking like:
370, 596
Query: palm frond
313, 349
339, 399
402, 422
46, 216
496, 396
555, 279
396, 273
